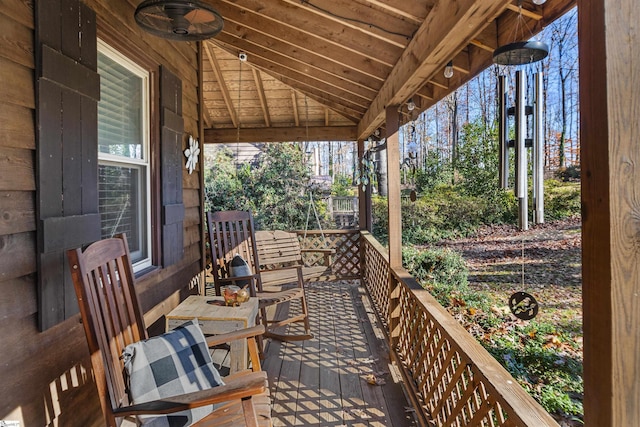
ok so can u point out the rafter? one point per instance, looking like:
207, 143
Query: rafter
445, 28
263, 99
310, 85
271, 59
481, 45
298, 21
416, 11
373, 22
223, 86
270, 36
524, 12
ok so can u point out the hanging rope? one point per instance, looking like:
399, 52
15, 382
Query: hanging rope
242, 57
312, 205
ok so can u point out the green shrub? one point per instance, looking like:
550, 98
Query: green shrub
342, 186
444, 213
561, 199
441, 271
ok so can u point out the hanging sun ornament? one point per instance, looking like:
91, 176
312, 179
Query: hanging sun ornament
191, 154
523, 305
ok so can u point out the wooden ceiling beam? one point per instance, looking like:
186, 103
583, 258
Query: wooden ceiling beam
440, 81
509, 25
415, 11
524, 12
261, 95
487, 39
329, 100
270, 59
373, 22
296, 20
461, 62
309, 84
481, 45
284, 134
446, 27
264, 32
223, 85
481, 58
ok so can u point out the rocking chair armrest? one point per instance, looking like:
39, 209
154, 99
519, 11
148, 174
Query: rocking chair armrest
288, 267
239, 387
236, 278
235, 335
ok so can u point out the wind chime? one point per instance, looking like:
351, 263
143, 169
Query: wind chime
522, 304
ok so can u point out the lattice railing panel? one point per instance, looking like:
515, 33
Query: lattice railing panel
376, 275
345, 262
452, 380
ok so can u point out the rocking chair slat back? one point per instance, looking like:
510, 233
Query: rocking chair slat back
109, 306
232, 233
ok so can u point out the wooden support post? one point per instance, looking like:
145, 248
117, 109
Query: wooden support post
609, 55
364, 197
393, 182
538, 152
521, 153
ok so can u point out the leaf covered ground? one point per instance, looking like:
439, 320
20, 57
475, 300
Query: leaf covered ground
544, 354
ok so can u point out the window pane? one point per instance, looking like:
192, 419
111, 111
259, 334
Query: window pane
120, 124
122, 206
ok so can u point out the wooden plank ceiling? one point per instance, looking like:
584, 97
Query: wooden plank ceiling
327, 69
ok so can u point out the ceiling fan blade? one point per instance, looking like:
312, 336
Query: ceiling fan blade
200, 16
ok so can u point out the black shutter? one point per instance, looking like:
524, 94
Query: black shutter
67, 94
172, 160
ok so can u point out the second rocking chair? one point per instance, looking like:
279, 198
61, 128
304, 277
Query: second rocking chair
232, 233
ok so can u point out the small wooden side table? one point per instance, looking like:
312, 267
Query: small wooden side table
217, 319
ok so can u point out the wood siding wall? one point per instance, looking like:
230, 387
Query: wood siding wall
46, 376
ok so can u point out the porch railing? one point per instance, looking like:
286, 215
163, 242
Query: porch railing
451, 379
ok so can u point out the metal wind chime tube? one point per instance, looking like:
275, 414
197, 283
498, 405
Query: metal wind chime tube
503, 133
538, 152
521, 153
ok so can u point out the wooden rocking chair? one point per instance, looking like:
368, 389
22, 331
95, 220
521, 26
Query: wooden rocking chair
112, 319
231, 233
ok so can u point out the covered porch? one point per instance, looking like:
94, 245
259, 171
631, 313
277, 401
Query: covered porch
384, 356
316, 71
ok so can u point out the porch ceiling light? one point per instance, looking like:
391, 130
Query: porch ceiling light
411, 105
179, 20
448, 70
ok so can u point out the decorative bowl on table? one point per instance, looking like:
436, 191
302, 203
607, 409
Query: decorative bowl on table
230, 294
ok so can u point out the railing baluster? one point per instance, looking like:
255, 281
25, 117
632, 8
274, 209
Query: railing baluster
451, 379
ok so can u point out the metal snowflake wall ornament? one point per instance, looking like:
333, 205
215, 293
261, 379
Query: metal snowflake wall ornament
191, 154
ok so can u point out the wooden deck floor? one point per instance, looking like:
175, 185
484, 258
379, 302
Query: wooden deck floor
325, 381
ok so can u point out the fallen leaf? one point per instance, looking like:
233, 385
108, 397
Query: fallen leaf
374, 380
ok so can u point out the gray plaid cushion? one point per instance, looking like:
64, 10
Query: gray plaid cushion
170, 364
238, 267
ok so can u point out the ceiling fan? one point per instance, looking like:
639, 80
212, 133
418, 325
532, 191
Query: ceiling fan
179, 20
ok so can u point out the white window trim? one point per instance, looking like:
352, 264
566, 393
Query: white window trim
105, 158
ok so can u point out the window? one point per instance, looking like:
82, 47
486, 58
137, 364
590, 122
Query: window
123, 153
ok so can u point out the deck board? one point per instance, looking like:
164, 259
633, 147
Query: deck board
322, 381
